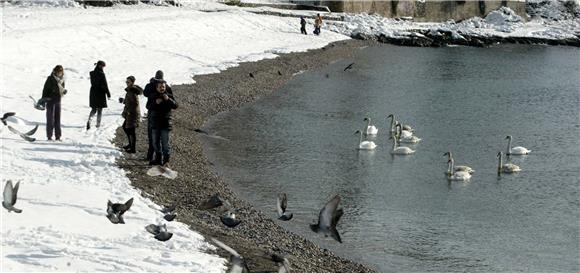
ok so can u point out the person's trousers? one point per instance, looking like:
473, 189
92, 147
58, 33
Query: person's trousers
99, 112
317, 30
303, 30
131, 137
53, 118
151, 149
161, 142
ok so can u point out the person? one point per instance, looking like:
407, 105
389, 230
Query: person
148, 92
99, 89
52, 93
131, 113
160, 118
303, 25
317, 24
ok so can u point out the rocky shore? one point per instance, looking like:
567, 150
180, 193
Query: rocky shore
258, 236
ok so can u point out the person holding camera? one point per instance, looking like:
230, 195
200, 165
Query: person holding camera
52, 93
162, 103
131, 113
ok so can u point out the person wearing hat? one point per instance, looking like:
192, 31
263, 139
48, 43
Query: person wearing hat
131, 113
150, 91
98, 94
52, 93
303, 25
160, 119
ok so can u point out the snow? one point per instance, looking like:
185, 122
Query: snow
64, 186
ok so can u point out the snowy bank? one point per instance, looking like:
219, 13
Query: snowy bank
64, 186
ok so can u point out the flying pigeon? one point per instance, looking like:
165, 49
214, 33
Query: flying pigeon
213, 202
229, 219
348, 67
5, 116
281, 205
10, 196
160, 232
115, 211
328, 218
23, 136
238, 263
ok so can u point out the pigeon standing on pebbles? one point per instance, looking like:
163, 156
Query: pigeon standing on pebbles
10, 196
160, 232
213, 202
229, 219
281, 205
169, 214
238, 263
115, 211
328, 218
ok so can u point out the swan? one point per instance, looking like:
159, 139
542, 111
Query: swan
460, 168
456, 175
393, 124
405, 138
371, 129
506, 168
365, 145
400, 150
515, 150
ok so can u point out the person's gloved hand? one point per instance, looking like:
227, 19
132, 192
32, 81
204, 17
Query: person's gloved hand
64, 92
121, 100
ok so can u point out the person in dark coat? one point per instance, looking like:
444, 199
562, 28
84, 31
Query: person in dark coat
99, 93
160, 118
131, 113
52, 93
149, 92
303, 25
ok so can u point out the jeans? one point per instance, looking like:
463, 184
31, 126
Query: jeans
99, 112
53, 118
150, 150
160, 141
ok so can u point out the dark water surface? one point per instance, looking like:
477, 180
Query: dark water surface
401, 214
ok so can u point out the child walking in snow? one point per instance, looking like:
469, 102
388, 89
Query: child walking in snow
131, 113
99, 88
52, 93
160, 118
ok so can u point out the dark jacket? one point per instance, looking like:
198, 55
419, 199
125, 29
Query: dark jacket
99, 89
51, 90
302, 22
160, 114
151, 90
131, 112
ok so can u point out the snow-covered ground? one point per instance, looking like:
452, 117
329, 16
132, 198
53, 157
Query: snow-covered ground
64, 186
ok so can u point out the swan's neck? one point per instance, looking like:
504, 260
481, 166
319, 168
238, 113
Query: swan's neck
368, 122
449, 156
360, 139
450, 170
392, 123
509, 146
500, 163
394, 143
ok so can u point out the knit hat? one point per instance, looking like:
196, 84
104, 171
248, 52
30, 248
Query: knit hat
100, 63
159, 75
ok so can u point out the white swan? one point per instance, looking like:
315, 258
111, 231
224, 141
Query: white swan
506, 168
394, 121
400, 150
405, 138
515, 150
460, 168
456, 175
371, 129
365, 145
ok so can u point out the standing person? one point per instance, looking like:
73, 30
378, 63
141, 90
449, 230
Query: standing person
149, 92
99, 89
131, 113
52, 93
317, 24
303, 25
160, 118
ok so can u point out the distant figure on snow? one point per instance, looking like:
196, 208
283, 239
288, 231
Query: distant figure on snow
303, 25
149, 92
99, 89
52, 93
317, 24
160, 118
131, 113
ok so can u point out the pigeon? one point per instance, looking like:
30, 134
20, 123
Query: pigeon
282, 262
5, 116
281, 205
251, 75
31, 132
169, 214
23, 136
279, 73
10, 196
348, 67
238, 263
213, 202
328, 218
160, 232
229, 219
115, 211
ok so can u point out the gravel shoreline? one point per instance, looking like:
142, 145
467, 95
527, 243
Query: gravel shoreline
258, 236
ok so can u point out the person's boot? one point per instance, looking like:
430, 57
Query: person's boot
165, 160
132, 145
88, 125
150, 153
156, 161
